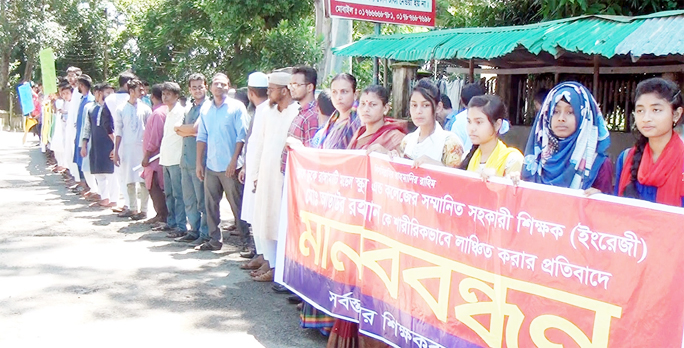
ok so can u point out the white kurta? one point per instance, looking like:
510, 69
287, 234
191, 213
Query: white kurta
130, 126
114, 103
57, 141
70, 132
270, 180
254, 146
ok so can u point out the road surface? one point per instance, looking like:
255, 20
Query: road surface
74, 276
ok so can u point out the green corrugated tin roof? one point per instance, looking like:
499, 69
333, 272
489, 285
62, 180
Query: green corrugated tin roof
602, 35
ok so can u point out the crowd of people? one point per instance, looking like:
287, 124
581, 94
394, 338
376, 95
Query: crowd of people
117, 147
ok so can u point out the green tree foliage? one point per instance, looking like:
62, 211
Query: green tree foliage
25, 27
554, 9
487, 13
172, 39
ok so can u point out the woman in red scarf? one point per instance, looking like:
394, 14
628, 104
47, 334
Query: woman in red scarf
653, 169
376, 129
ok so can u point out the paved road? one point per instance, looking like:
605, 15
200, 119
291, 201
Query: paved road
80, 277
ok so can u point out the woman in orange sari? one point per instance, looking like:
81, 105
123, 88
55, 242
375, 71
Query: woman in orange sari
388, 132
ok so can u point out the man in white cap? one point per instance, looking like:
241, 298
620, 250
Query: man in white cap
269, 183
220, 136
257, 93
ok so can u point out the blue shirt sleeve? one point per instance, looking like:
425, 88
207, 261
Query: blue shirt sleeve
239, 124
201, 128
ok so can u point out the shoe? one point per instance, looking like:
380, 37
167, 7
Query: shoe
126, 213
247, 253
196, 242
294, 299
280, 289
189, 237
139, 216
208, 246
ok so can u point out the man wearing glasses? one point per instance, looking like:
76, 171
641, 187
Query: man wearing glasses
305, 125
193, 188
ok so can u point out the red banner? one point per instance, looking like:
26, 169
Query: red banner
410, 12
438, 258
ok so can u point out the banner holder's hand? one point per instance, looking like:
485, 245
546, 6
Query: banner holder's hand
425, 160
591, 191
515, 178
241, 175
293, 143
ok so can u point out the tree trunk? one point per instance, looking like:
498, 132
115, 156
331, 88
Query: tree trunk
4, 79
28, 70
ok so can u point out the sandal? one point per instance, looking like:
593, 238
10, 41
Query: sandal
263, 268
265, 277
254, 263
162, 227
207, 246
248, 266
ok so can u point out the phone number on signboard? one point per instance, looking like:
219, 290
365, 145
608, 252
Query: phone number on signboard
349, 10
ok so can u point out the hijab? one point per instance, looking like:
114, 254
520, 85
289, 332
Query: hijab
574, 161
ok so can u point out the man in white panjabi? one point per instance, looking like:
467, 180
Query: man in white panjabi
269, 183
128, 149
257, 85
110, 114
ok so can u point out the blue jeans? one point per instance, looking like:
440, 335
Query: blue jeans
173, 191
193, 196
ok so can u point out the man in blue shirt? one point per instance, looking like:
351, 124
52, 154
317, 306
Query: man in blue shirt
221, 134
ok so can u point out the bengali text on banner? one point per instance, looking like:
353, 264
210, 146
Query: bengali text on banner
427, 257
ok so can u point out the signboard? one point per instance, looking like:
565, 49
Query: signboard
438, 258
409, 12
47, 68
25, 94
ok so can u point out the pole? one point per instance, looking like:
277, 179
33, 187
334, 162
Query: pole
376, 70
597, 68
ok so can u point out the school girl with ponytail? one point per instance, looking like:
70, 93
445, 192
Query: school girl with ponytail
653, 169
489, 155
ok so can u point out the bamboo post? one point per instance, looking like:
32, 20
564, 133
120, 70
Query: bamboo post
403, 74
595, 87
